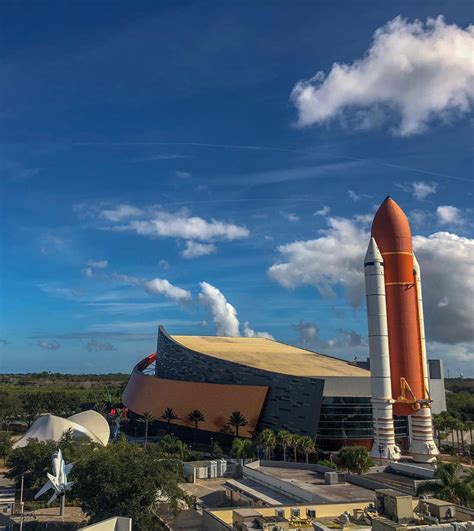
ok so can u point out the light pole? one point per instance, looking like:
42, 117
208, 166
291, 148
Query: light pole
381, 449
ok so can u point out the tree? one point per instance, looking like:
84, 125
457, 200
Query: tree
5, 444
307, 446
34, 460
147, 419
196, 417
237, 420
10, 409
242, 448
266, 439
123, 479
216, 451
439, 424
172, 447
293, 442
450, 487
168, 415
283, 439
355, 459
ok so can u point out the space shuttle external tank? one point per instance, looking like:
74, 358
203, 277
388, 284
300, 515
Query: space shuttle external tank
408, 371
391, 231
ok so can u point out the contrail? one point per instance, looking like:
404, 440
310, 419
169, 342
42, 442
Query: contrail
280, 149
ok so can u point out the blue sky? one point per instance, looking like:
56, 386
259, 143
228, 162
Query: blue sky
179, 163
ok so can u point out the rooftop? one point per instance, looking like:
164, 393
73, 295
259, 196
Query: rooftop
314, 483
270, 355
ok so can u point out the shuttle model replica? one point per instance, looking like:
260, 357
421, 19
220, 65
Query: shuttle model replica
397, 337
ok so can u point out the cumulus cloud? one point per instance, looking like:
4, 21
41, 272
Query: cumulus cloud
289, 216
422, 189
164, 287
120, 212
48, 345
161, 224
449, 215
97, 264
99, 346
414, 71
335, 259
196, 249
223, 313
88, 271
447, 265
323, 211
249, 332
343, 343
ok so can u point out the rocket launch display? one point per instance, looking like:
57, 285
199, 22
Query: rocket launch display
396, 336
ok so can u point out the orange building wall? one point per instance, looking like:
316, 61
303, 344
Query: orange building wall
215, 401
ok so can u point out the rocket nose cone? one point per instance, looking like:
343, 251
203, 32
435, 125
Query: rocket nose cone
373, 253
391, 228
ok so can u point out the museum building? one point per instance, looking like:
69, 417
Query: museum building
272, 384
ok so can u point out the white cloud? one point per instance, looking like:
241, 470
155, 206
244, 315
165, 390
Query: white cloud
336, 257
293, 218
422, 189
120, 212
223, 313
99, 346
323, 211
162, 286
97, 264
182, 174
449, 215
61, 292
196, 249
181, 225
333, 259
248, 332
48, 345
87, 272
355, 196
447, 265
164, 264
413, 70
344, 342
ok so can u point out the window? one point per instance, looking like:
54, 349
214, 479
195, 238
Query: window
310, 513
295, 513
280, 513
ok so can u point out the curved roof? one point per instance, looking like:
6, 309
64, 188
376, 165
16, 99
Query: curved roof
270, 355
95, 423
51, 428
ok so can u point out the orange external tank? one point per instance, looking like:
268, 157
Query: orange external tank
391, 231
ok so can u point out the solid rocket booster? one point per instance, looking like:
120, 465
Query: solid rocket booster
404, 317
422, 445
384, 432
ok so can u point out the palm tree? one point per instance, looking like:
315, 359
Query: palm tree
439, 424
168, 415
196, 416
242, 448
307, 446
282, 439
237, 420
173, 447
451, 424
266, 439
450, 487
293, 442
147, 419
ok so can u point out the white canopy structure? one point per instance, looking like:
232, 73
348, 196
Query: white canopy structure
51, 428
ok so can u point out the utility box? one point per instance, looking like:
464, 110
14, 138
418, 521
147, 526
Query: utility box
394, 505
441, 509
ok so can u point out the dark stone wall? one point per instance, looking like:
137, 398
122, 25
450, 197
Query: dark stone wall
293, 402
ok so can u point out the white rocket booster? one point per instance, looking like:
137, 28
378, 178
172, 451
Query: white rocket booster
422, 446
384, 432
